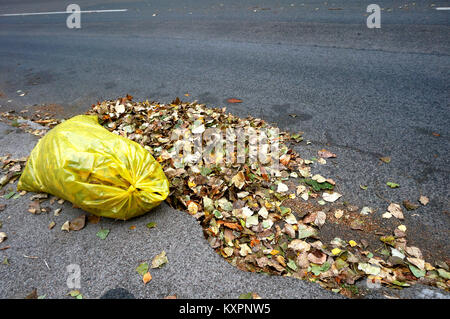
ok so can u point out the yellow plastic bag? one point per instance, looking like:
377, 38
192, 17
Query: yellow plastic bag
98, 171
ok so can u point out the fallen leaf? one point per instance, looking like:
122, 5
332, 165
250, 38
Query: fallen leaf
331, 197
233, 100
103, 233
282, 188
326, 154
299, 245
386, 215
357, 224
159, 260
317, 257
245, 250
395, 210
444, 274
366, 211
3, 237
66, 226
423, 200
92, 219
32, 295
385, 159
392, 185
142, 269
417, 272
34, 207
410, 206
369, 269
238, 180
419, 263
78, 223
146, 278
320, 219
336, 251
413, 251
193, 208
338, 213
151, 225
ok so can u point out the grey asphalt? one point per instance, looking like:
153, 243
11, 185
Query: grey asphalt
361, 93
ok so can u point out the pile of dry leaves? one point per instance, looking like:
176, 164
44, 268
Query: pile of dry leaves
242, 209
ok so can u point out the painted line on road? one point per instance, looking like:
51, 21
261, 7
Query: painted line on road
60, 12
443, 8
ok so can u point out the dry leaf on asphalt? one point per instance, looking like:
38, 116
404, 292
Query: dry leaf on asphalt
395, 210
326, 154
78, 223
147, 277
424, 200
159, 260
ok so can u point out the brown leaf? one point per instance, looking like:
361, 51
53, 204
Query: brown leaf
233, 100
230, 225
239, 180
395, 210
78, 223
326, 154
32, 295
357, 224
93, 219
317, 257
34, 207
410, 206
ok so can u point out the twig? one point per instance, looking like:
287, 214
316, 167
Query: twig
33, 257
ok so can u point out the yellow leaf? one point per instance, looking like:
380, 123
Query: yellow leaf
336, 251
192, 208
353, 243
274, 252
191, 184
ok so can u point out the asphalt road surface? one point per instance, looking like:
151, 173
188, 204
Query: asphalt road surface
360, 93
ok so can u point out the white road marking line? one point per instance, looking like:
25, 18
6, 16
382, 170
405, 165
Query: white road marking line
443, 8
60, 12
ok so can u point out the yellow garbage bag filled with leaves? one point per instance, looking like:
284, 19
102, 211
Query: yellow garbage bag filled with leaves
101, 172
